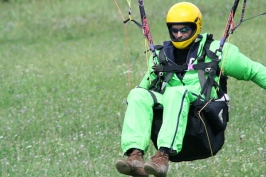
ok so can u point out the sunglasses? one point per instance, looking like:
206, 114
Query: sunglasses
181, 30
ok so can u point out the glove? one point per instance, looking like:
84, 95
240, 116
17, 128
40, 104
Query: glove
158, 68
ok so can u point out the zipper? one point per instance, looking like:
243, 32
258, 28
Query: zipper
192, 47
178, 118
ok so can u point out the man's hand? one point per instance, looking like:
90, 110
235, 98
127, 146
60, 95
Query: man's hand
158, 68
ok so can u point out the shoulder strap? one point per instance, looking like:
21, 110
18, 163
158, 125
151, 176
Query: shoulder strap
205, 52
163, 61
208, 83
162, 58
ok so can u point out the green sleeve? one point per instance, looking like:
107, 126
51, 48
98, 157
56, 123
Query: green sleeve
237, 65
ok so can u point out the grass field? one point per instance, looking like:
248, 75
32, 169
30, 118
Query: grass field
65, 76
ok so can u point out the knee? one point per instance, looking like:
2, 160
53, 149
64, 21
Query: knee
138, 95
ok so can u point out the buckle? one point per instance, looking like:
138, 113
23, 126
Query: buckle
190, 67
207, 70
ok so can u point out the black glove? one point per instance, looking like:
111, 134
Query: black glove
158, 68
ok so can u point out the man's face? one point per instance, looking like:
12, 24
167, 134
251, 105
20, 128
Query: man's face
180, 32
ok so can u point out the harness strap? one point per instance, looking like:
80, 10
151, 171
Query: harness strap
206, 89
185, 67
154, 98
206, 51
154, 83
167, 78
162, 59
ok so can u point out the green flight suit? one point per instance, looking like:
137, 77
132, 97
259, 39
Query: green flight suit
176, 99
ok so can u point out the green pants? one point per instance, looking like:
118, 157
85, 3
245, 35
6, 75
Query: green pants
137, 124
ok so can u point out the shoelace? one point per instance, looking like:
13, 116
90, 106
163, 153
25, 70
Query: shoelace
135, 155
160, 157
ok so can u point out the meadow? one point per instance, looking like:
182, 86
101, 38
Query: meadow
66, 68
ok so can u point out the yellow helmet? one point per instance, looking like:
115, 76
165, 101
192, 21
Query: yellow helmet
188, 14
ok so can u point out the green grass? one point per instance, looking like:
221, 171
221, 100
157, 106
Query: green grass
64, 81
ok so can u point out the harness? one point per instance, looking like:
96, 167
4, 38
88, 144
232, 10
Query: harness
207, 119
211, 68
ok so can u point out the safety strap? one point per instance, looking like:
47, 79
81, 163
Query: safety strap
206, 85
184, 67
162, 59
154, 84
154, 99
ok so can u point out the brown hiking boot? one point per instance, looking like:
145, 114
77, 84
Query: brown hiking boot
158, 166
132, 166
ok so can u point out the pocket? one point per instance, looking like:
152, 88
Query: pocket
216, 113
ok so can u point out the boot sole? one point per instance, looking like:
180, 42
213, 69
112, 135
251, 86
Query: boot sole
123, 168
152, 171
